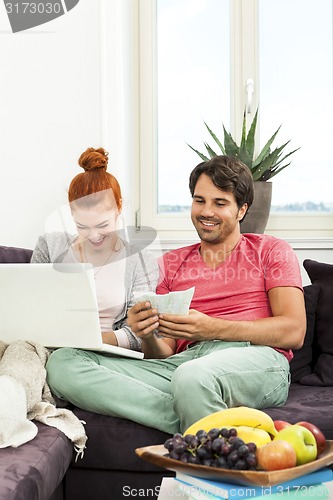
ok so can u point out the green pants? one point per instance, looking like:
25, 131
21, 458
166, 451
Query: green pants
170, 394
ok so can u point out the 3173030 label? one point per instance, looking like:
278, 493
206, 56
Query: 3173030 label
24, 15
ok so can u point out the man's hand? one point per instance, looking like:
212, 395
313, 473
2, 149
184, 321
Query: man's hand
142, 319
193, 326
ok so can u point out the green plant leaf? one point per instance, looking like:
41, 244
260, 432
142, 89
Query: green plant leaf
270, 165
218, 142
244, 156
250, 140
277, 167
202, 156
266, 149
243, 138
230, 146
269, 160
271, 173
266, 165
210, 151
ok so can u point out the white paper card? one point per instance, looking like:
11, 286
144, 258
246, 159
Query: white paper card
171, 303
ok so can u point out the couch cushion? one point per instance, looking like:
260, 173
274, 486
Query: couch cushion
301, 364
322, 274
12, 255
311, 404
34, 470
112, 442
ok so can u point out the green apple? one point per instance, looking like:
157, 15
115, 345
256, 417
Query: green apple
302, 440
320, 438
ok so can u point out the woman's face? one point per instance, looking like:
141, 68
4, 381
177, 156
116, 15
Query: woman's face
96, 224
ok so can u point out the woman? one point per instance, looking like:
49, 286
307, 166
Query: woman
120, 270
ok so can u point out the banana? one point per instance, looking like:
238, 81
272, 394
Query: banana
240, 415
252, 435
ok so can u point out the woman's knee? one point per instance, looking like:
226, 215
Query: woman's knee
59, 368
62, 355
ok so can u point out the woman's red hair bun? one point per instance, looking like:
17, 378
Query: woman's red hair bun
93, 159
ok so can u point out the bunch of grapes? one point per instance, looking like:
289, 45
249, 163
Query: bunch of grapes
215, 448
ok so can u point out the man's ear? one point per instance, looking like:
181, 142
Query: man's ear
242, 211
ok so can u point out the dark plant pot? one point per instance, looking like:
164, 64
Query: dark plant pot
256, 218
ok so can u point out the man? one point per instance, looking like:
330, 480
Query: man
234, 346
247, 312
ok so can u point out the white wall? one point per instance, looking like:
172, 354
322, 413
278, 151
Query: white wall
62, 89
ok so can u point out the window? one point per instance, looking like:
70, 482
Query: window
198, 56
192, 85
296, 90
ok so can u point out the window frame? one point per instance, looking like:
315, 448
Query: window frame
245, 56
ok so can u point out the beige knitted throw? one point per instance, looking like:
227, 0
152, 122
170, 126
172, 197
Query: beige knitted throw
25, 362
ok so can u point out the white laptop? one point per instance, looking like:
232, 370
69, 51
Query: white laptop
53, 305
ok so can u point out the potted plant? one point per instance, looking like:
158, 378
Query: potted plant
268, 163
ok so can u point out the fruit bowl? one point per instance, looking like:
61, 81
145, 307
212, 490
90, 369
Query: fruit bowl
157, 455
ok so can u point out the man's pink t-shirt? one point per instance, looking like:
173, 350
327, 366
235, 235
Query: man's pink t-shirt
237, 288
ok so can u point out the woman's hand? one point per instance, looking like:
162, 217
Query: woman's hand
109, 338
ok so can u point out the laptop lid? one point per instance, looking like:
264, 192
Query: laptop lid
54, 305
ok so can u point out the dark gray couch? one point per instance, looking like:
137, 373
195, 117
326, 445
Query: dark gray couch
45, 467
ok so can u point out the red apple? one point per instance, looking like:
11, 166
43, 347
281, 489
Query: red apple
276, 455
280, 424
318, 434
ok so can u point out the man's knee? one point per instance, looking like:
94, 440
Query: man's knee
181, 377
190, 376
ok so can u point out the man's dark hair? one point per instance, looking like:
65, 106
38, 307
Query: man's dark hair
228, 174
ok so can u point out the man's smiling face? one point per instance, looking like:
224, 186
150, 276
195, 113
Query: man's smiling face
214, 212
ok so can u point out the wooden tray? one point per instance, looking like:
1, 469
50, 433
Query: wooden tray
157, 455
